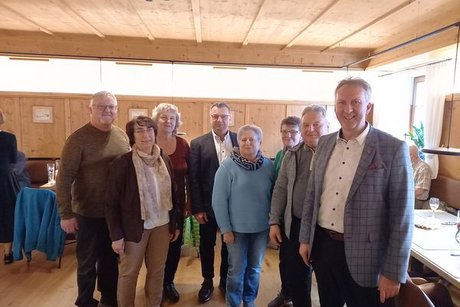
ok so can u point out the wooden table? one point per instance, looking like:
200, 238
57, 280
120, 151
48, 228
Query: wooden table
437, 248
49, 186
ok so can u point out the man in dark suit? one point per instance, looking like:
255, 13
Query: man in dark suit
206, 154
357, 221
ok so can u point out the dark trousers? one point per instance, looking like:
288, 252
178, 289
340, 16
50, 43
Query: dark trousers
283, 253
95, 260
335, 283
172, 261
208, 233
298, 274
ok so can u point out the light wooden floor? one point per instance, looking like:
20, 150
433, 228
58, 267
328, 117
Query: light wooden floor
41, 284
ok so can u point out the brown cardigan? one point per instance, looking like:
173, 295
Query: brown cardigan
122, 203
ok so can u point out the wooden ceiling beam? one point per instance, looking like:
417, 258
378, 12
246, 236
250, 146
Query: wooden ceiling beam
259, 13
378, 19
27, 20
441, 40
296, 38
149, 33
129, 48
196, 12
72, 13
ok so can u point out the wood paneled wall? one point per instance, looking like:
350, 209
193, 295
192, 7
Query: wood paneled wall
70, 112
449, 166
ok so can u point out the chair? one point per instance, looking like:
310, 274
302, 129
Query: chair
38, 173
37, 225
421, 293
411, 295
436, 291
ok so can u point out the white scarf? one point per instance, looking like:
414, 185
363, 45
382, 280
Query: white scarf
153, 181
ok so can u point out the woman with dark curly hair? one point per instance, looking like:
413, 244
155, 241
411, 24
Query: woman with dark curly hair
141, 212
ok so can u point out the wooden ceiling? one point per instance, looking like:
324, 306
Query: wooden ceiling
318, 33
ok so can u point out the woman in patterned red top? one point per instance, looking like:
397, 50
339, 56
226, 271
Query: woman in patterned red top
167, 117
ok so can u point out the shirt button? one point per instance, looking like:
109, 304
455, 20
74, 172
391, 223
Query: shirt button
333, 209
336, 193
340, 178
332, 224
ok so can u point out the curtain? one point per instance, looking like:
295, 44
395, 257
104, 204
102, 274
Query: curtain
438, 81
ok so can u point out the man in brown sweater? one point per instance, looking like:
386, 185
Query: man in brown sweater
80, 188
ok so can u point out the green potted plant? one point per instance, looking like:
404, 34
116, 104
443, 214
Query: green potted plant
417, 136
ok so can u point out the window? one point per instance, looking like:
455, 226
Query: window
417, 112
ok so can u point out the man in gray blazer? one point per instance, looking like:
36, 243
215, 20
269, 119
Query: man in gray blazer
357, 222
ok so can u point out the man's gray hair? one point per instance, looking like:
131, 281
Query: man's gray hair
101, 95
315, 108
250, 127
357, 82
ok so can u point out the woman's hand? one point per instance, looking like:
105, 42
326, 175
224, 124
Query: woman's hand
119, 246
229, 238
187, 209
175, 235
201, 217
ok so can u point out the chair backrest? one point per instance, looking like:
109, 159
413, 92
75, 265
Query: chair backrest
37, 171
37, 224
437, 293
411, 295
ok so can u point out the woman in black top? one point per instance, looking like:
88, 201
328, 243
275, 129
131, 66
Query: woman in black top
8, 189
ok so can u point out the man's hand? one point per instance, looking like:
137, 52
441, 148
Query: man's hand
229, 238
304, 251
275, 235
388, 288
69, 225
201, 217
119, 246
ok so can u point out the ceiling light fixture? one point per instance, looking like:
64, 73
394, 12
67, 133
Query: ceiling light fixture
449, 151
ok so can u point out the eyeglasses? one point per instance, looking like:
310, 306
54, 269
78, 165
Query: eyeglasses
104, 107
290, 132
222, 116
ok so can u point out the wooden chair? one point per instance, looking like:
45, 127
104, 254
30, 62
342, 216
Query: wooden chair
436, 291
411, 295
418, 292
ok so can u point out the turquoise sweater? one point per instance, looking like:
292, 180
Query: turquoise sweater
241, 198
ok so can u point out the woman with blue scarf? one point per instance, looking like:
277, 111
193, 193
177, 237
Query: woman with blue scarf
241, 202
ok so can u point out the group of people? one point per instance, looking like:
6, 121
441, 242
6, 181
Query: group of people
338, 204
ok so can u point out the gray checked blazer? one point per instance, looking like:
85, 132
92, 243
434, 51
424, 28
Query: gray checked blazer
378, 221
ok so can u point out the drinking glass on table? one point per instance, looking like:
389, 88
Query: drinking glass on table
434, 204
457, 235
50, 168
57, 163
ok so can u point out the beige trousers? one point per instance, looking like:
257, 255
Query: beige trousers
153, 247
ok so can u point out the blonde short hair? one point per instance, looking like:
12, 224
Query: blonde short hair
164, 107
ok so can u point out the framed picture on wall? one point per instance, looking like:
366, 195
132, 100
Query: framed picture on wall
137, 112
42, 115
